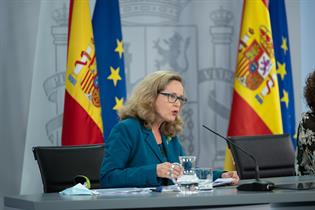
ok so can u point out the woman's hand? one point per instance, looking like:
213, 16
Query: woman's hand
168, 170
233, 175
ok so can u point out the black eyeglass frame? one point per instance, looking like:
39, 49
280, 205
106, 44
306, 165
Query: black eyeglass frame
172, 98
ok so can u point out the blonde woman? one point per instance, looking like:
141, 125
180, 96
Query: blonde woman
142, 146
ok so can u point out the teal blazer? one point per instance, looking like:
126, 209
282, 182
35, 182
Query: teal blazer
131, 155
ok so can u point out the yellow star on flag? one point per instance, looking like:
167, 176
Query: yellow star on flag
281, 70
114, 75
119, 103
285, 98
284, 45
119, 49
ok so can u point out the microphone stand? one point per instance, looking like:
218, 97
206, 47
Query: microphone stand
257, 185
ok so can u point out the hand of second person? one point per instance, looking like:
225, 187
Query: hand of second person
233, 175
168, 170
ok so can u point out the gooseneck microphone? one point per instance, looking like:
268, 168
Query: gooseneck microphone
258, 185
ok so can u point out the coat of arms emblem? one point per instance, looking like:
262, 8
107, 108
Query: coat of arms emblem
255, 64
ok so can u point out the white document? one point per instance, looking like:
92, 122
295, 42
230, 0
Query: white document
222, 181
122, 191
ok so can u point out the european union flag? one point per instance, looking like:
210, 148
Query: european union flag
110, 61
280, 36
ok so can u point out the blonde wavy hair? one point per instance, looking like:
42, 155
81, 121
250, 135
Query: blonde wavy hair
141, 103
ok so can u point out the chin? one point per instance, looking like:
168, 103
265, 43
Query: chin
172, 119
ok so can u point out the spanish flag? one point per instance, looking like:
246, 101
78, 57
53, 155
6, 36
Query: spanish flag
256, 105
82, 122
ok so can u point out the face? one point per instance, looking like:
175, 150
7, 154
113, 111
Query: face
166, 110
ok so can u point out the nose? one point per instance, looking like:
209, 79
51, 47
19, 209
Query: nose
177, 103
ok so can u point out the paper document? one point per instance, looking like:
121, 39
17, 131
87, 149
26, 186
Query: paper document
222, 181
122, 191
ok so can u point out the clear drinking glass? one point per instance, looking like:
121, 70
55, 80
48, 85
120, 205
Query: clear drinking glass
205, 176
188, 181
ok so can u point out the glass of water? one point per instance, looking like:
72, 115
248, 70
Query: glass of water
188, 181
205, 176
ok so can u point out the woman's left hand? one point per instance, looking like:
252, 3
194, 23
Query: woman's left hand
233, 175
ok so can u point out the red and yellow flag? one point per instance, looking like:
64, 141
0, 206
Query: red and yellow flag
82, 122
255, 106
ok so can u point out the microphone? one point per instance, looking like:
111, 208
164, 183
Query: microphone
257, 185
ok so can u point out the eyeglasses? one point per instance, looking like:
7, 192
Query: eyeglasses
172, 98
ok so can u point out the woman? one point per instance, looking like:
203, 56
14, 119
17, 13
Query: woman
305, 153
143, 145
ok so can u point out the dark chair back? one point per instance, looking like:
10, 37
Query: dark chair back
59, 165
274, 154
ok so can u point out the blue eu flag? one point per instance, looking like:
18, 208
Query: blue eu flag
110, 61
280, 37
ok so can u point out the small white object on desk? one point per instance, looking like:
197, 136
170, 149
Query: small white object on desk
122, 191
78, 189
222, 182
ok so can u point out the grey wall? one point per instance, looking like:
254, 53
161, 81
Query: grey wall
307, 43
18, 26
294, 27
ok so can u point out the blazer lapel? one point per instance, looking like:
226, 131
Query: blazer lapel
152, 144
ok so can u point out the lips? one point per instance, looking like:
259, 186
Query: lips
174, 113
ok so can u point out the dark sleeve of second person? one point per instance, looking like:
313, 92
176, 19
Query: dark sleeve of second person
305, 145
